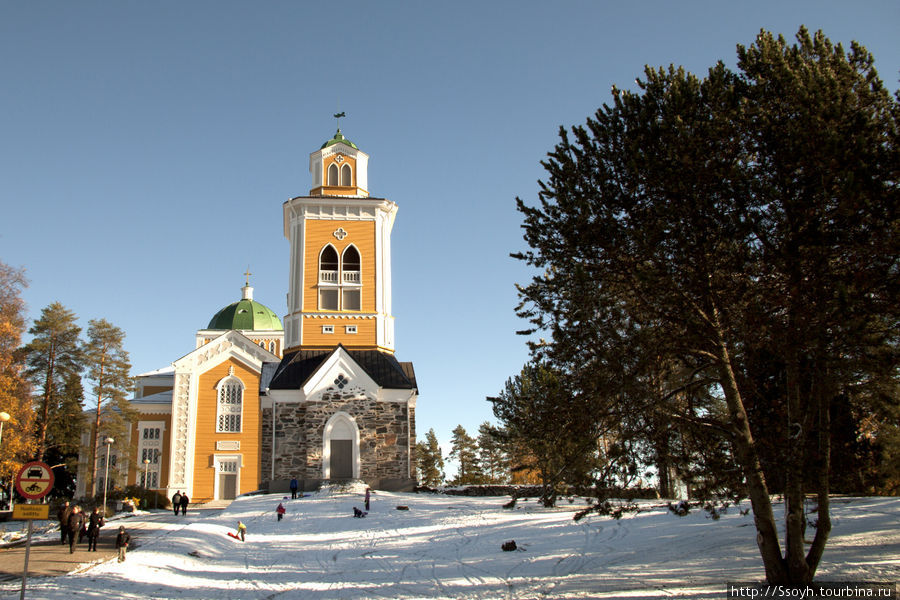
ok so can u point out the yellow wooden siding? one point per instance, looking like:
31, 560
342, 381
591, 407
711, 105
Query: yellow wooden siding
206, 436
320, 233
365, 336
136, 466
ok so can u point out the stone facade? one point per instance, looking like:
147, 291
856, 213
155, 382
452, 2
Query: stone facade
386, 437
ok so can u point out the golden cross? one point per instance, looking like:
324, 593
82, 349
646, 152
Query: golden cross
248, 274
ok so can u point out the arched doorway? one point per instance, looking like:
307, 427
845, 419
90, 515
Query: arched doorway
341, 448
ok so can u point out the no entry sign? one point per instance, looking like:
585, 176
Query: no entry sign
34, 480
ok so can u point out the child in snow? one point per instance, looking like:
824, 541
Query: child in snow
358, 513
122, 541
280, 511
242, 530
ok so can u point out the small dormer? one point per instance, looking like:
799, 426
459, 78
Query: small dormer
339, 168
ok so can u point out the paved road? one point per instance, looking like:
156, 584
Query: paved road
51, 558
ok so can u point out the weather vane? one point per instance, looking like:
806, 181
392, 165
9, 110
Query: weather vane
338, 117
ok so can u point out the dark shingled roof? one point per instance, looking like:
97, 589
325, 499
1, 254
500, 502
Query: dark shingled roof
296, 368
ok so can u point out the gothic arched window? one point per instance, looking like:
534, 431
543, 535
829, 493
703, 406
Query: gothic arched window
230, 405
346, 176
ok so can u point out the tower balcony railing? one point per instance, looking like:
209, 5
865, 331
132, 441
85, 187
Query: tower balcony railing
351, 277
328, 276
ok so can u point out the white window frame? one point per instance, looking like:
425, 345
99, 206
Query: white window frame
224, 384
350, 329
328, 329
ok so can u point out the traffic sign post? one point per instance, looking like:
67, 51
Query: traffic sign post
34, 481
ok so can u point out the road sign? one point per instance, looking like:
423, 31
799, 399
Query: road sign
34, 480
25, 512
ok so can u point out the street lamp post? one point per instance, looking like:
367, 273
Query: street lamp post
109, 442
4, 417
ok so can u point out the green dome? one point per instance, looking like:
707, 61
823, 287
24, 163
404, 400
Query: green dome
246, 314
339, 139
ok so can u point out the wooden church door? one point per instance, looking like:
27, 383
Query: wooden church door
341, 459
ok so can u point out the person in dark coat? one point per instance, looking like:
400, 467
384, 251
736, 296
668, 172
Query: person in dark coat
74, 525
368, 491
62, 515
176, 502
184, 503
294, 487
122, 541
93, 531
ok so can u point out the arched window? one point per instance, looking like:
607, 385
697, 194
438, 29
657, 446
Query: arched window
346, 176
351, 264
333, 175
328, 265
328, 274
230, 405
272, 346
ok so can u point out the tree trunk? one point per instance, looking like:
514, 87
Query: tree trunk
798, 571
45, 409
95, 434
823, 527
748, 459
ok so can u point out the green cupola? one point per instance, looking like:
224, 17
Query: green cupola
246, 314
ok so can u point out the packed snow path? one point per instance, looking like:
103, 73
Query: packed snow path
449, 547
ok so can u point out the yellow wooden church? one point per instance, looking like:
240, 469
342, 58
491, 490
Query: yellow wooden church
323, 398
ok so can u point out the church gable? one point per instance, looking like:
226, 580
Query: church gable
229, 344
342, 375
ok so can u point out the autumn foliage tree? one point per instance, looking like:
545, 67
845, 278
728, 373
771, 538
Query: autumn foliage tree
18, 444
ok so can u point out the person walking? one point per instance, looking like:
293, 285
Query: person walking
294, 486
176, 502
280, 511
74, 525
93, 532
367, 499
122, 541
184, 503
62, 515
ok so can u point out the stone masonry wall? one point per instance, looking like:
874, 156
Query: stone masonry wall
384, 436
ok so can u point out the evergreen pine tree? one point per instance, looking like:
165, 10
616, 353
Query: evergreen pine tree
54, 353
430, 461
491, 456
64, 437
696, 222
108, 368
464, 449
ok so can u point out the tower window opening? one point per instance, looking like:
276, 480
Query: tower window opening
346, 176
340, 279
351, 265
328, 265
328, 299
333, 175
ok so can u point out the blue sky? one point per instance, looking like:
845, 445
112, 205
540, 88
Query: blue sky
146, 149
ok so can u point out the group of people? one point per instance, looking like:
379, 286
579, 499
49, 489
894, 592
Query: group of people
180, 502
74, 526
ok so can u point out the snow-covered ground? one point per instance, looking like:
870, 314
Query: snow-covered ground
449, 547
